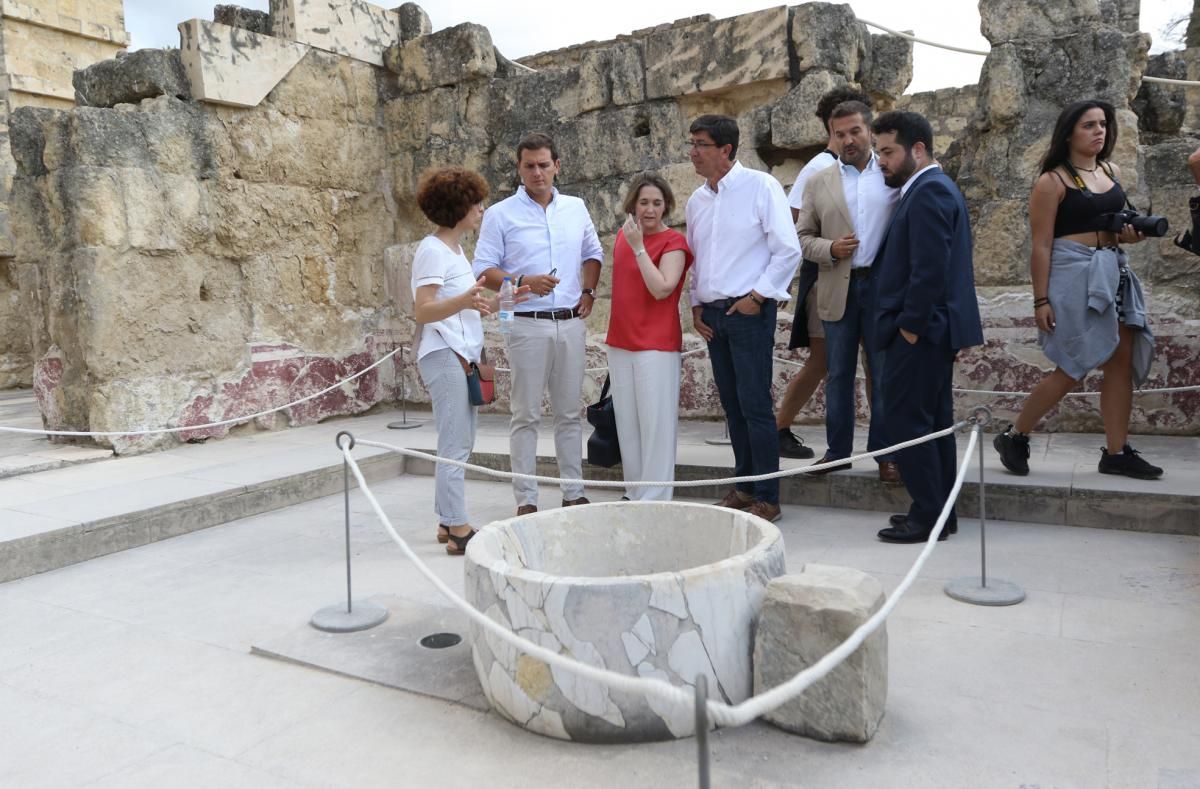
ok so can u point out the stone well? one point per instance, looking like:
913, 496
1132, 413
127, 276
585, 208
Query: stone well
666, 590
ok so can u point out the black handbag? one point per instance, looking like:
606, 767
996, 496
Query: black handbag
603, 448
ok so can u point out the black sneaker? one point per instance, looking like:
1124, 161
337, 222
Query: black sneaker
1128, 462
1014, 450
790, 446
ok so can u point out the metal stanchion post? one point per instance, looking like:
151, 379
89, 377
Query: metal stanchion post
403, 424
702, 730
348, 618
981, 591
723, 440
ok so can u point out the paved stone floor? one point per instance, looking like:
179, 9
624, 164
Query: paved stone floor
133, 670
22, 453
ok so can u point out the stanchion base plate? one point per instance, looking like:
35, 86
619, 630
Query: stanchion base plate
403, 425
997, 592
722, 442
336, 619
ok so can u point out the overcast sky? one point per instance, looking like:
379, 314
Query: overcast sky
524, 28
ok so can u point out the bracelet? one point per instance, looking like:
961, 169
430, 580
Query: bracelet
1042, 302
757, 301
639, 252
519, 280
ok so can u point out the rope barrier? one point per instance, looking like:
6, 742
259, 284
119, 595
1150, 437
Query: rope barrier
687, 483
188, 428
721, 713
1165, 390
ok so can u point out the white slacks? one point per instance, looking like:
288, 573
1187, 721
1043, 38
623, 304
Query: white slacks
645, 393
546, 354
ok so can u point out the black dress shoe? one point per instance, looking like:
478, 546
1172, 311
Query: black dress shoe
792, 446
908, 533
897, 521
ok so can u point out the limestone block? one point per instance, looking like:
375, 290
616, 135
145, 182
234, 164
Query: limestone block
806, 616
447, 57
628, 74
711, 56
794, 123
1163, 108
131, 77
829, 37
346, 27
397, 266
1008, 20
595, 80
414, 21
328, 86
638, 138
226, 65
244, 18
888, 71
540, 100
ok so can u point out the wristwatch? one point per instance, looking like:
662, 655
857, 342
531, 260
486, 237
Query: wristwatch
589, 292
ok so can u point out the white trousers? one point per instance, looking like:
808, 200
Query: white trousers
456, 419
645, 393
546, 354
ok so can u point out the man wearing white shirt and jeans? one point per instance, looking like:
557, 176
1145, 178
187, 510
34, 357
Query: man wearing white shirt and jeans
740, 230
544, 240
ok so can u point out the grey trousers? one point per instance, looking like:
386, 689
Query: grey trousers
545, 354
455, 417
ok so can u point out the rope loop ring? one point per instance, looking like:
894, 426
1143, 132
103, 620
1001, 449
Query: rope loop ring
981, 416
338, 440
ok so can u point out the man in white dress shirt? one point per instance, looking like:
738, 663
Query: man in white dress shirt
740, 229
547, 241
846, 213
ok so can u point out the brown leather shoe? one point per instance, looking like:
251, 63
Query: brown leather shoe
889, 472
826, 459
526, 509
575, 502
736, 500
766, 511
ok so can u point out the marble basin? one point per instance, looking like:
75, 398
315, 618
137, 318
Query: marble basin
655, 589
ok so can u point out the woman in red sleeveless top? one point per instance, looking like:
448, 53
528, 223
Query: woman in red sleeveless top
644, 335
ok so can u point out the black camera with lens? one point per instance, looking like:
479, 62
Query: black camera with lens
1150, 225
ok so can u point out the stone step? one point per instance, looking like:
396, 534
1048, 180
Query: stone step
1112, 503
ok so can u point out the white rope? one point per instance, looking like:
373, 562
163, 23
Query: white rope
1166, 81
605, 368
985, 53
721, 713
911, 37
1165, 390
675, 483
189, 428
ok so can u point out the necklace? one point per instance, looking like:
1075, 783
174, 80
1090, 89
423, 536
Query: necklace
1084, 169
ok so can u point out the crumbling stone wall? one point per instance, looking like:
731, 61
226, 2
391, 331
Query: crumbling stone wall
230, 228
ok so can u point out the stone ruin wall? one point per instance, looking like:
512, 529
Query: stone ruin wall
229, 227
41, 43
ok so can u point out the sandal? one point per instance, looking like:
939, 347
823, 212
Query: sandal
443, 534
457, 546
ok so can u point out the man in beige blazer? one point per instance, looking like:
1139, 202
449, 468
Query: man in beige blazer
845, 215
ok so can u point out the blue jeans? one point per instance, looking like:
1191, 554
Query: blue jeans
842, 339
740, 352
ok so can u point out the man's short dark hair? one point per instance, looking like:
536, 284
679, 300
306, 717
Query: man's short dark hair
848, 108
722, 129
536, 141
838, 96
910, 128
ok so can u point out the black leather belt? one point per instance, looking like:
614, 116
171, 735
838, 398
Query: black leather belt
863, 272
551, 315
724, 304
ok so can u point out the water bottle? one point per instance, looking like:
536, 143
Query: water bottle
506, 306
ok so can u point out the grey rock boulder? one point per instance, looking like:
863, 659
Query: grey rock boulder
131, 77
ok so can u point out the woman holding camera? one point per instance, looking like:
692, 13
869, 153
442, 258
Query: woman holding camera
644, 336
1088, 303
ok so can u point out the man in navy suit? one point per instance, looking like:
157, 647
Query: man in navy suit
926, 312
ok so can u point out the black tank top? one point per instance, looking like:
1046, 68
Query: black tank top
1079, 212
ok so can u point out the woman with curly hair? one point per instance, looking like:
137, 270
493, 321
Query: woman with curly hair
449, 303
1088, 303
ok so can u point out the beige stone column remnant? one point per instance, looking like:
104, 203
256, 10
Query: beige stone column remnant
806, 616
228, 65
346, 27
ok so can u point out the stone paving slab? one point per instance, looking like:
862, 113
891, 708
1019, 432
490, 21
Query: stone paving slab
22, 453
391, 653
1088, 683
